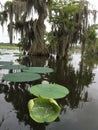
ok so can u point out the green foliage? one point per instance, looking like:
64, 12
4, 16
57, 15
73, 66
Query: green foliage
43, 110
24, 44
91, 34
63, 15
54, 91
69, 23
91, 62
91, 40
8, 5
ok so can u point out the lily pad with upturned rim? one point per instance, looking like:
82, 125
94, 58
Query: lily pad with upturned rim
43, 110
13, 67
21, 77
41, 70
54, 91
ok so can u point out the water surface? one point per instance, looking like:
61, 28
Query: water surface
79, 108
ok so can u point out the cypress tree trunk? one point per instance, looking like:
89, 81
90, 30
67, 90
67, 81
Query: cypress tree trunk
11, 29
38, 47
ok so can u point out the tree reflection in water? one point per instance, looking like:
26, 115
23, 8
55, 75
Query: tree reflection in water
76, 81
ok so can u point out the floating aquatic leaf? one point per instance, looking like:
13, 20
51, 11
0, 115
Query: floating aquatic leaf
42, 70
13, 67
21, 77
54, 91
6, 63
43, 110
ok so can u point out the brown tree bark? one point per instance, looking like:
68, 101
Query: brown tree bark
38, 47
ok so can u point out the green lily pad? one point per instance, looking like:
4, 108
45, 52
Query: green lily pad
54, 91
43, 110
42, 70
21, 77
6, 62
13, 67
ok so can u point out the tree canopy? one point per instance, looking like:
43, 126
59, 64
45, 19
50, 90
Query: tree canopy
69, 21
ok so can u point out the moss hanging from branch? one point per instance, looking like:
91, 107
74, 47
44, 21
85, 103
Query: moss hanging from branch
33, 30
3, 17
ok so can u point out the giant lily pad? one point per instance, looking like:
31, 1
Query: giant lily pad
43, 110
54, 91
6, 62
13, 67
21, 77
42, 70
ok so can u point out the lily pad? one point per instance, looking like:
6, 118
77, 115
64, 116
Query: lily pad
13, 67
43, 110
21, 77
54, 91
6, 63
42, 70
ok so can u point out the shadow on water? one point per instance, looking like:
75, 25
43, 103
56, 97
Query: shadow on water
77, 81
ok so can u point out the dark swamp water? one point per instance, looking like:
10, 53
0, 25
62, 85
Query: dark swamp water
79, 108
